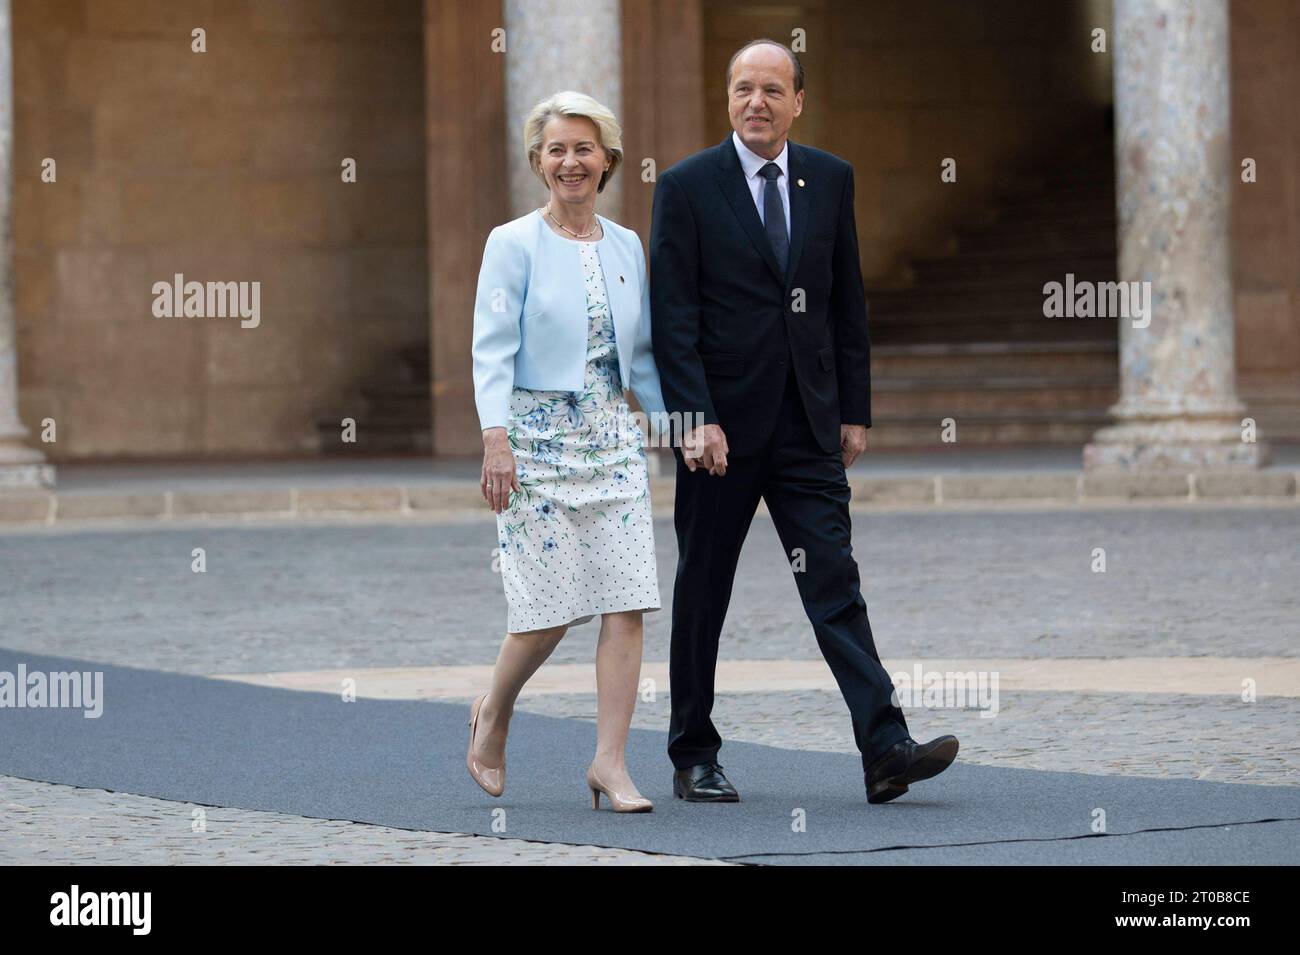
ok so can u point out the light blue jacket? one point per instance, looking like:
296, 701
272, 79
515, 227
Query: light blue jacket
530, 315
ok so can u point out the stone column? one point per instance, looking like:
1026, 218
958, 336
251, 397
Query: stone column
20, 466
1178, 407
663, 97
554, 45
466, 194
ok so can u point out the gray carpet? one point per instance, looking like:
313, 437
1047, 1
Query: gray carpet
401, 764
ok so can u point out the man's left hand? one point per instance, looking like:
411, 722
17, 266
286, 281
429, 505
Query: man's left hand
853, 441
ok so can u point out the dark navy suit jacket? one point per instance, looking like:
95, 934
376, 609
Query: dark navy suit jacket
727, 325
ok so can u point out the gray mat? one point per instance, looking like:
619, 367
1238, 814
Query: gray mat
401, 764
1264, 843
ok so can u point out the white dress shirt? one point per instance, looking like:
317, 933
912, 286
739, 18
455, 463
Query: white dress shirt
752, 162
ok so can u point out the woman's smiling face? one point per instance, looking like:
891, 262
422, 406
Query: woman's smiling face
572, 158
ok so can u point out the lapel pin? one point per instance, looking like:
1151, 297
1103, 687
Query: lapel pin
620, 278
801, 182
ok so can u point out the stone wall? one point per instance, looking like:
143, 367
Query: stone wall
1266, 213
896, 86
222, 166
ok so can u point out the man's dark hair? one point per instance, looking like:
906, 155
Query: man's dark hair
794, 61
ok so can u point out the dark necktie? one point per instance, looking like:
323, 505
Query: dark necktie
774, 214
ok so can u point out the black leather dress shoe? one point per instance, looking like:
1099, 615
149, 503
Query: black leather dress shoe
908, 762
704, 783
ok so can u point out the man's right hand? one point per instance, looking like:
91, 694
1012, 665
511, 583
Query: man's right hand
706, 446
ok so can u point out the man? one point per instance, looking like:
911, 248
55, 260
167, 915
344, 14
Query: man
759, 324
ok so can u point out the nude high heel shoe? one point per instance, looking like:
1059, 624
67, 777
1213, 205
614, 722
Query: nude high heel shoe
491, 778
620, 802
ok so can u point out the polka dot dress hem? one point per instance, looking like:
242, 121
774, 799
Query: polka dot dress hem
578, 539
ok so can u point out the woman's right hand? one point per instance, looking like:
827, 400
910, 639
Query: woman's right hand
499, 477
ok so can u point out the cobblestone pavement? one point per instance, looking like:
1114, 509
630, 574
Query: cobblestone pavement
1188, 737
970, 585
44, 824
1177, 583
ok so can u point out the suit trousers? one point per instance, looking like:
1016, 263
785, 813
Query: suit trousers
807, 496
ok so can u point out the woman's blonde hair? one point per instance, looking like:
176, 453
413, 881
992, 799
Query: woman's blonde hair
570, 103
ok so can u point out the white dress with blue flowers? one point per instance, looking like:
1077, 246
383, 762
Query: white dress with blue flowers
578, 539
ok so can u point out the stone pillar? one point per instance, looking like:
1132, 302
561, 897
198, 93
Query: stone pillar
466, 194
20, 466
555, 45
1178, 407
663, 97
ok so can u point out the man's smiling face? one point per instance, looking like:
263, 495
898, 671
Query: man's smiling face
761, 99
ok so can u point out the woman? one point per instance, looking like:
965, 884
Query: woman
561, 329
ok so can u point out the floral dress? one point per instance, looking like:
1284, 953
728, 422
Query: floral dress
578, 539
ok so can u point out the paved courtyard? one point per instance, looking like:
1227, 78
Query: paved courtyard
1182, 588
